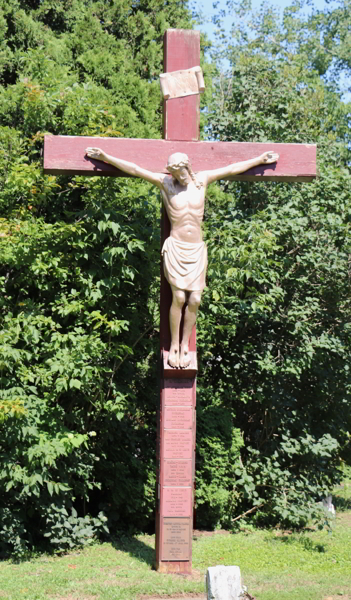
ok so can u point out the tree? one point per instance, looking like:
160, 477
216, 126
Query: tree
318, 40
274, 326
78, 272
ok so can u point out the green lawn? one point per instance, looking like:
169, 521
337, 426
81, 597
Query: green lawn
313, 565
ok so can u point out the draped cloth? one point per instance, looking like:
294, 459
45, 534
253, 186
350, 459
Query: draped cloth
185, 264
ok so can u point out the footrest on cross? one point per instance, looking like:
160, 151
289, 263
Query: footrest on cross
178, 373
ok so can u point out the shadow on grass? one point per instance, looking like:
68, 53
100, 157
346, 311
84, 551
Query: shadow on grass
135, 548
306, 542
126, 543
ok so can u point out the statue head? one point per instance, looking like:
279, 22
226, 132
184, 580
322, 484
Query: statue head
177, 163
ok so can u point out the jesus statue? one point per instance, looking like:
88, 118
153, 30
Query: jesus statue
184, 251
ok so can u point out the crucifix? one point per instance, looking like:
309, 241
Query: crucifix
182, 167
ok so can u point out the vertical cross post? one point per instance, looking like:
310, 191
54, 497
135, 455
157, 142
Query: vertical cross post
177, 422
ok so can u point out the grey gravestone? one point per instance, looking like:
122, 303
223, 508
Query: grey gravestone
224, 583
328, 504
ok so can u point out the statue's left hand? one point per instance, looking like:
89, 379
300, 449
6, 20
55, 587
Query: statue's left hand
269, 157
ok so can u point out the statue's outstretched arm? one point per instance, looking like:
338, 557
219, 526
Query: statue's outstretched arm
234, 169
126, 166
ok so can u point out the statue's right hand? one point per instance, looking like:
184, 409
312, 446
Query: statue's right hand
95, 153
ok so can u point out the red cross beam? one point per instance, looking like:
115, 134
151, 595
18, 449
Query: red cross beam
65, 155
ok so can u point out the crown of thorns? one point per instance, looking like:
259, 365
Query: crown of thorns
182, 161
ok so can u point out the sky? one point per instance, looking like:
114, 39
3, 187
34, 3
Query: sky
209, 11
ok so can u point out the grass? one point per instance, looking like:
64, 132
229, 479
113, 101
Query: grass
313, 565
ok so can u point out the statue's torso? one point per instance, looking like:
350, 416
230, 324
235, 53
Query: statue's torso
185, 209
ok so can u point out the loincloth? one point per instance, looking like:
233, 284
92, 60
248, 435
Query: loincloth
185, 264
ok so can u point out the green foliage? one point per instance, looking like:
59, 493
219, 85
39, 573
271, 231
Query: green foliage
78, 273
216, 460
11, 408
66, 532
316, 39
274, 328
14, 537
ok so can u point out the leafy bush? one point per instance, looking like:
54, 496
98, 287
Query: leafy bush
78, 273
14, 538
274, 324
66, 532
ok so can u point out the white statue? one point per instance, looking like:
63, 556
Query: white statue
184, 252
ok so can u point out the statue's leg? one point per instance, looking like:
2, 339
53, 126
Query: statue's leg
175, 315
189, 322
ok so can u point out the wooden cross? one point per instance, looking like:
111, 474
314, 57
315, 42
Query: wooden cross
176, 421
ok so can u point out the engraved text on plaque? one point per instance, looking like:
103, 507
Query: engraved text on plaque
178, 444
178, 392
177, 502
178, 417
176, 539
177, 472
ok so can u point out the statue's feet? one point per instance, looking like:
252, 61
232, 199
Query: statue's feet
185, 357
173, 357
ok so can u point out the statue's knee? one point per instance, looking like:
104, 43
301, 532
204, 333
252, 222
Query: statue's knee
179, 297
195, 300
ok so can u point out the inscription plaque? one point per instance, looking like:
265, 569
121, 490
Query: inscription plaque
177, 472
176, 539
178, 417
178, 392
176, 502
178, 444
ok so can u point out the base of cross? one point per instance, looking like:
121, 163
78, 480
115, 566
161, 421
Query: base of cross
182, 568
176, 467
